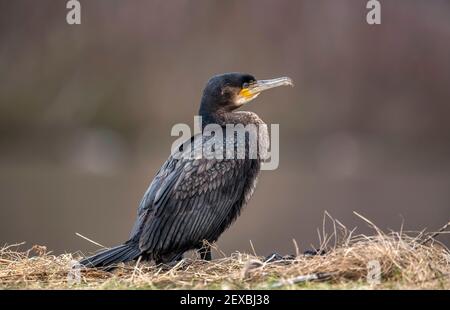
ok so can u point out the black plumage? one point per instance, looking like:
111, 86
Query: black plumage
195, 199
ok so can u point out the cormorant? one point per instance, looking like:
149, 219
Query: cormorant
193, 199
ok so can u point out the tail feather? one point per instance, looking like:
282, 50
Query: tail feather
119, 254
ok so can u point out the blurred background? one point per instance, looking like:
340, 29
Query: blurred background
86, 113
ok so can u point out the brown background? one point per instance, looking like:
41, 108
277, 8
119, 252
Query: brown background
86, 113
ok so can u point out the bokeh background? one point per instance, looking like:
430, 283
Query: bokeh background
86, 113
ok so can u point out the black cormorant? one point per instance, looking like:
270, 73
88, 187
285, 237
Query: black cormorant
193, 199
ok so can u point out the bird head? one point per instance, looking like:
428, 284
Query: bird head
227, 92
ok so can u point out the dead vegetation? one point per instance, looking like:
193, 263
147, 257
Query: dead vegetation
406, 260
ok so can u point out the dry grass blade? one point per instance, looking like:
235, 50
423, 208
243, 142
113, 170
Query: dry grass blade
302, 278
405, 261
90, 240
442, 230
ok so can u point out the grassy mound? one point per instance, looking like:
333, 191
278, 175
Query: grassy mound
352, 261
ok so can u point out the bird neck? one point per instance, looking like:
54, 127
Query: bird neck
222, 118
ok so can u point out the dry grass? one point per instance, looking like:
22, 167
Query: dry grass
406, 260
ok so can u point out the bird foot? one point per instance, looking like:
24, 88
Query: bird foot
171, 261
314, 252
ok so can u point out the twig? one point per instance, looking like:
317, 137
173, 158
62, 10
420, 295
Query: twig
6, 247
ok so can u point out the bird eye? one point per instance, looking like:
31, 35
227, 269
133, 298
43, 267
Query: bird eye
245, 85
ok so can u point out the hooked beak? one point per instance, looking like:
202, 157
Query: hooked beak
254, 89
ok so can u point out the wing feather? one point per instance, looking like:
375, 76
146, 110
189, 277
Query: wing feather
187, 198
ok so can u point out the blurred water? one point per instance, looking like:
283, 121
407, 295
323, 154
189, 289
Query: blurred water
86, 113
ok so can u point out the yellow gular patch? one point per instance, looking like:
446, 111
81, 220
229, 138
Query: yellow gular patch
246, 93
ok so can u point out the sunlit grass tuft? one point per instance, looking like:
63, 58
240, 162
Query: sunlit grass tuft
406, 261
